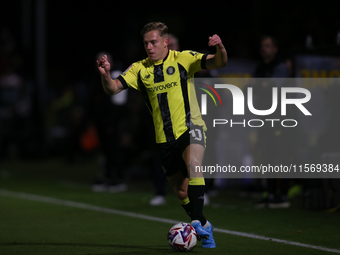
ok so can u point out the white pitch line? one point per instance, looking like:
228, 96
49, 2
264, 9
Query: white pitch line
57, 201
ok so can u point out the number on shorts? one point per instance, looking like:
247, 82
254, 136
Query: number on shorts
196, 134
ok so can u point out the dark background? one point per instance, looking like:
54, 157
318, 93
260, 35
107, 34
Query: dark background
77, 30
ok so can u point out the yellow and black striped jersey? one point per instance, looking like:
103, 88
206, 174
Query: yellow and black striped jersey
168, 91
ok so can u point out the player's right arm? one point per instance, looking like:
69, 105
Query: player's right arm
110, 86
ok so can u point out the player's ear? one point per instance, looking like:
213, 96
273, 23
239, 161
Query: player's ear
166, 42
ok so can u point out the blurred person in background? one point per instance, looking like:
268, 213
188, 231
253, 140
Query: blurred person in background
108, 115
271, 64
11, 86
15, 101
273, 145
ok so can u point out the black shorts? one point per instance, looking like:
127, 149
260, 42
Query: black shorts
171, 152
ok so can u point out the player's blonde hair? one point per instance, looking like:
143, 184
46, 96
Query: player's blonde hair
159, 26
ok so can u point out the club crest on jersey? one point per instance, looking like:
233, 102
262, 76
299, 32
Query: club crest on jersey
170, 70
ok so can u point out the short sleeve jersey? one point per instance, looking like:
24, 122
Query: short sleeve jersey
168, 91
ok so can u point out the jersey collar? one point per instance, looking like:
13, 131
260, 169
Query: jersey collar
163, 60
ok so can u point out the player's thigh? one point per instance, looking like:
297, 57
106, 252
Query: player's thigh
171, 156
194, 151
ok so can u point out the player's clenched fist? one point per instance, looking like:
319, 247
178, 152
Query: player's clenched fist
215, 40
103, 65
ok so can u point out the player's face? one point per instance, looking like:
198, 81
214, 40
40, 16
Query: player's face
155, 45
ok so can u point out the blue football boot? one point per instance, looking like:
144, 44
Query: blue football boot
209, 242
200, 231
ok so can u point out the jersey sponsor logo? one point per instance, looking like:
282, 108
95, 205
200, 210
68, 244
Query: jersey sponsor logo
170, 70
163, 86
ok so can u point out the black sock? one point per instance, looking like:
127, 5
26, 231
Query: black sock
187, 205
196, 197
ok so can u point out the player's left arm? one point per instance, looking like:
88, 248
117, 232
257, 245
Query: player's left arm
220, 58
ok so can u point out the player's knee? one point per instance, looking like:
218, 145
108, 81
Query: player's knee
182, 194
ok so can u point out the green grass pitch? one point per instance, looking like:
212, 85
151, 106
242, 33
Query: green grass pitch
36, 227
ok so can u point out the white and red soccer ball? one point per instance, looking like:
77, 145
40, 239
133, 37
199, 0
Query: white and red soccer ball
182, 237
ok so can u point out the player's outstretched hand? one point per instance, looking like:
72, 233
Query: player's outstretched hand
103, 65
215, 40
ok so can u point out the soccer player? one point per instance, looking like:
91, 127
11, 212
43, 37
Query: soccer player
163, 78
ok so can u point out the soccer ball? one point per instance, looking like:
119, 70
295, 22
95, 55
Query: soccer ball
182, 237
